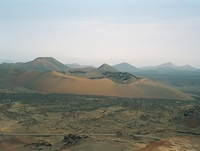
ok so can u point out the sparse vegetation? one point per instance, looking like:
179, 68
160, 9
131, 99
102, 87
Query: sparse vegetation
128, 120
83, 114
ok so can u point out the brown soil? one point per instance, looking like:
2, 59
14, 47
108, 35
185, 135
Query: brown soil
57, 82
175, 144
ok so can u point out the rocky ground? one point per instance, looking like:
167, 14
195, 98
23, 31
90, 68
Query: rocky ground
93, 121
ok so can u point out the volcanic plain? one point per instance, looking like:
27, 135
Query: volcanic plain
45, 105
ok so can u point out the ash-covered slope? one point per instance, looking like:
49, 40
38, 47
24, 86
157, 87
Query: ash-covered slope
107, 84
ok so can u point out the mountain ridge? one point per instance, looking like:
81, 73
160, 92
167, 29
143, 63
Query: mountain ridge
48, 75
171, 66
106, 67
162, 68
125, 67
39, 64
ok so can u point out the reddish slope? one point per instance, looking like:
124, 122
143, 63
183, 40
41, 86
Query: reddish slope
175, 144
13, 144
56, 82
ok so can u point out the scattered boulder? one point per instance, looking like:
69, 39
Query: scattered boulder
40, 145
71, 140
120, 77
190, 118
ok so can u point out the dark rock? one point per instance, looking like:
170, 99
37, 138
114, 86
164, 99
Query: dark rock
40, 145
71, 140
119, 134
190, 118
119, 77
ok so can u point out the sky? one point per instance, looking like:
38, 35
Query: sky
140, 32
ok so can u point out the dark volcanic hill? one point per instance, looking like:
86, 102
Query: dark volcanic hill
39, 64
164, 66
187, 68
125, 67
106, 67
77, 66
169, 67
73, 65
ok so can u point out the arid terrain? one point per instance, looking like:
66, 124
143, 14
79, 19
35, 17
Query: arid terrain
99, 75
94, 122
50, 76
45, 105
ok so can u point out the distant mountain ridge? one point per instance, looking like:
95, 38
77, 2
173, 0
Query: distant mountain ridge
73, 65
5, 61
163, 68
125, 67
76, 65
167, 67
49, 63
106, 67
39, 64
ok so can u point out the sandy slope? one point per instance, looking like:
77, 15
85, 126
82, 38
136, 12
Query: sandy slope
97, 146
56, 82
13, 143
175, 144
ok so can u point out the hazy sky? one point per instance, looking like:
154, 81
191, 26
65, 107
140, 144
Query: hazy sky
140, 32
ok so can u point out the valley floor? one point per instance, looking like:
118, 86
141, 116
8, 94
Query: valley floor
123, 123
